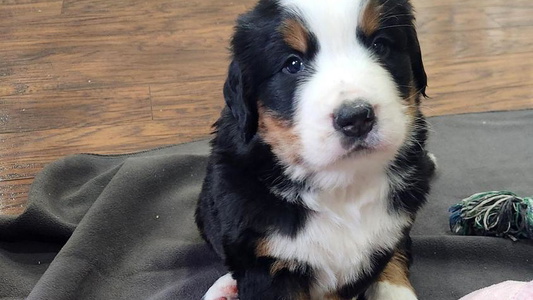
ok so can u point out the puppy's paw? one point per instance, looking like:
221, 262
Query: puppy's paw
225, 288
384, 290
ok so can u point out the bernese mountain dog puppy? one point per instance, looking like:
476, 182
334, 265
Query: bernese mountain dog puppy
318, 164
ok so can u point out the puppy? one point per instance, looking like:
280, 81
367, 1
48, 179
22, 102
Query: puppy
318, 164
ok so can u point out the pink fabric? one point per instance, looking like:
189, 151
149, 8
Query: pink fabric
508, 290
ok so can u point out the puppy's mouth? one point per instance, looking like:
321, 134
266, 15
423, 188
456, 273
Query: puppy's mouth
372, 143
358, 150
368, 143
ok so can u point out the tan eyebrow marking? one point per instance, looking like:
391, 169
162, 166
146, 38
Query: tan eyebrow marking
371, 17
295, 35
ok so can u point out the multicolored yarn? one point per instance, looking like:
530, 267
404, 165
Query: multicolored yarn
496, 213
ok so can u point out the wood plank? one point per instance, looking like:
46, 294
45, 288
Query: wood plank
117, 44
28, 11
459, 15
14, 196
457, 75
19, 2
438, 4
200, 101
476, 43
188, 8
115, 66
28, 153
59, 109
454, 18
479, 84
508, 16
487, 99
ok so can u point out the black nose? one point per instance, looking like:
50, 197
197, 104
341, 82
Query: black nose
354, 118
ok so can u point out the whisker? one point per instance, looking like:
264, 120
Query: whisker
397, 16
396, 26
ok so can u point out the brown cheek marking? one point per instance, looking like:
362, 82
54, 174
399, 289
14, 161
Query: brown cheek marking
371, 17
295, 35
279, 134
396, 272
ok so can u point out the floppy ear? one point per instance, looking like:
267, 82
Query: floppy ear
417, 65
240, 102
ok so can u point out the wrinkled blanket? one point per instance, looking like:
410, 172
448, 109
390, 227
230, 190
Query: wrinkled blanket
121, 227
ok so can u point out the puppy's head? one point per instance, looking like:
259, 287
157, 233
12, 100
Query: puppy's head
327, 84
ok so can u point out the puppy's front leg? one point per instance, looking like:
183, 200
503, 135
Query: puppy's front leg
393, 283
272, 282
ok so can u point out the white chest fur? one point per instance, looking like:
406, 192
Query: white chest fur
347, 226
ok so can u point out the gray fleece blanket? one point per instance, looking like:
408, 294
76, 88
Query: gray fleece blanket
121, 227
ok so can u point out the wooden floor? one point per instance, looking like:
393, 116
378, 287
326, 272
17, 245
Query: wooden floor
119, 76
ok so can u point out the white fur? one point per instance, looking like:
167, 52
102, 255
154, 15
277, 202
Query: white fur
351, 219
384, 290
344, 70
346, 227
222, 288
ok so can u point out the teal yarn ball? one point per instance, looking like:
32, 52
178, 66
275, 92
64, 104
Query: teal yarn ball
495, 213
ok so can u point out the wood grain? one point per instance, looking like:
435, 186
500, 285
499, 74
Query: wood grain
471, 84
484, 43
122, 76
487, 99
14, 194
79, 108
30, 152
454, 18
202, 99
29, 11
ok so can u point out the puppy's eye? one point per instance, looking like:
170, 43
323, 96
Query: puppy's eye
381, 46
293, 65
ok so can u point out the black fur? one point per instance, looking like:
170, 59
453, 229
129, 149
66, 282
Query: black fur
238, 205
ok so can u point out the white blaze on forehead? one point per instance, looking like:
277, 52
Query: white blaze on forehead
333, 22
